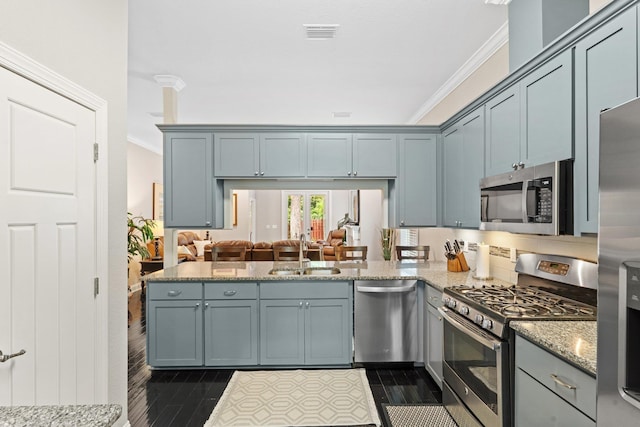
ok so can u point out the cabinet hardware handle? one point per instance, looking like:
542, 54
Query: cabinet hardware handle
5, 357
229, 293
256, 173
174, 293
355, 173
207, 223
261, 173
307, 304
197, 305
401, 222
349, 173
206, 305
440, 318
562, 383
300, 304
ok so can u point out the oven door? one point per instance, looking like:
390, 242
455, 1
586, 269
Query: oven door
476, 370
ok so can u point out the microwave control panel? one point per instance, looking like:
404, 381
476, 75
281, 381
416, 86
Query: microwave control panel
544, 201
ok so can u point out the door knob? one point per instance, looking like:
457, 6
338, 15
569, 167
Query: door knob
5, 357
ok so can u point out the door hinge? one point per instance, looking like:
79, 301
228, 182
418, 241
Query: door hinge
96, 152
96, 286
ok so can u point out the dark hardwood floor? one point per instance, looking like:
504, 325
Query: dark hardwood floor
187, 397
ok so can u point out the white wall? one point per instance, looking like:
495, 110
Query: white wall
144, 167
86, 42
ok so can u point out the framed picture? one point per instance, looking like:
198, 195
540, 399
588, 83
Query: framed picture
354, 206
234, 209
158, 202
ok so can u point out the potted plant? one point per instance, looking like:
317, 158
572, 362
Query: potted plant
140, 231
387, 239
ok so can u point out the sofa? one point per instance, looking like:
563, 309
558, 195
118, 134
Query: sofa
263, 251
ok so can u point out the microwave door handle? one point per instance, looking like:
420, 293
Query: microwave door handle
525, 206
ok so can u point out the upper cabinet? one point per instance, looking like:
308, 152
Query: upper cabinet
463, 167
265, 155
192, 197
546, 106
529, 123
503, 131
351, 155
417, 184
606, 75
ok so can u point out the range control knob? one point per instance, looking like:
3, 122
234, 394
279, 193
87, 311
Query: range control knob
450, 302
487, 324
464, 310
479, 318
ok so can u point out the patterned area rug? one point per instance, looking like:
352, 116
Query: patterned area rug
337, 397
424, 415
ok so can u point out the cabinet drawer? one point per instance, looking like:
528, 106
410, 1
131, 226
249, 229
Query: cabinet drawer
304, 290
434, 296
230, 290
174, 290
541, 365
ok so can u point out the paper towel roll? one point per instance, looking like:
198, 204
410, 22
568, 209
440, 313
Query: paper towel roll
482, 261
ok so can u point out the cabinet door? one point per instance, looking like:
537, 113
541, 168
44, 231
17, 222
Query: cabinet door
281, 332
174, 333
453, 176
417, 181
231, 332
237, 155
546, 111
605, 76
374, 155
472, 167
189, 191
329, 155
536, 405
283, 155
327, 332
433, 339
503, 131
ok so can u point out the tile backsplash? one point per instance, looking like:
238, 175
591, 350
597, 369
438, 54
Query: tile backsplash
502, 243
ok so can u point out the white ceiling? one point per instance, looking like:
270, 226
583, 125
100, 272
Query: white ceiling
247, 61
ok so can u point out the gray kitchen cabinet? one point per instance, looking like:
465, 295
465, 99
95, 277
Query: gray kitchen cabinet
305, 323
549, 391
192, 197
606, 75
230, 324
352, 155
174, 324
417, 183
502, 131
253, 155
546, 108
433, 335
463, 148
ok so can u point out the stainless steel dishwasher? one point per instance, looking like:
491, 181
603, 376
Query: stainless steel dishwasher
386, 321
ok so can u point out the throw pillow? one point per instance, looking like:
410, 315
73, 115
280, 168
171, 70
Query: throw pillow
200, 244
183, 250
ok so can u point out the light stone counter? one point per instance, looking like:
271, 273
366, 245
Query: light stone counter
574, 341
434, 273
60, 415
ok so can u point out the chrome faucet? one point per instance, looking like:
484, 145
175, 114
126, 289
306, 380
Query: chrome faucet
303, 247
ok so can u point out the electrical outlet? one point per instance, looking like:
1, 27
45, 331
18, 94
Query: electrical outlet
513, 255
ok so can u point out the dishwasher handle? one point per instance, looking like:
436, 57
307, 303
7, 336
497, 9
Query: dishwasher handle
370, 288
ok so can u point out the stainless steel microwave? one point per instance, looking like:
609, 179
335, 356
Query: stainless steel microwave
533, 200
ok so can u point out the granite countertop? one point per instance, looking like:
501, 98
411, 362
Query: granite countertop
432, 272
60, 416
574, 341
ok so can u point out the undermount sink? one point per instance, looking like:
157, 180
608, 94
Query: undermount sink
309, 271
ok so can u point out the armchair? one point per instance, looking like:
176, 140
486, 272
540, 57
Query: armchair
335, 238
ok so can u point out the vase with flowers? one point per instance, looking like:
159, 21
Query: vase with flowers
387, 239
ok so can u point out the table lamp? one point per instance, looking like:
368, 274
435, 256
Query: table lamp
158, 232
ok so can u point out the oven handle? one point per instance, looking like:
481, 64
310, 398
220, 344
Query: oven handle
480, 336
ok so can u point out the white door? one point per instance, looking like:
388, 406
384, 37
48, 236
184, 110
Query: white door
47, 248
306, 213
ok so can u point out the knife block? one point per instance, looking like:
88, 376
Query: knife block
458, 264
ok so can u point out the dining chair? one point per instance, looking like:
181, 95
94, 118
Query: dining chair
228, 253
351, 253
417, 253
286, 253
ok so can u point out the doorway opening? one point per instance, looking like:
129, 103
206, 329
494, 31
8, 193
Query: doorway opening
306, 212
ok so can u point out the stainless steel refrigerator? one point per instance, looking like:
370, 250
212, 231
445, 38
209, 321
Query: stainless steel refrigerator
619, 267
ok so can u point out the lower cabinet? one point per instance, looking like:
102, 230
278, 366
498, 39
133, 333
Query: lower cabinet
549, 391
174, 324
230, 324
305, 324
433, 335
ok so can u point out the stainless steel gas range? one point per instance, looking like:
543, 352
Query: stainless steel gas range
479, 345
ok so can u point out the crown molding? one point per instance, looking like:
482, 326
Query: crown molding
495, 42
166, 80
144, 145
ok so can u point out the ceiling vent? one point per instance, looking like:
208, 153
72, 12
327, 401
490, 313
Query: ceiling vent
498, 2
320, 31
341, 114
